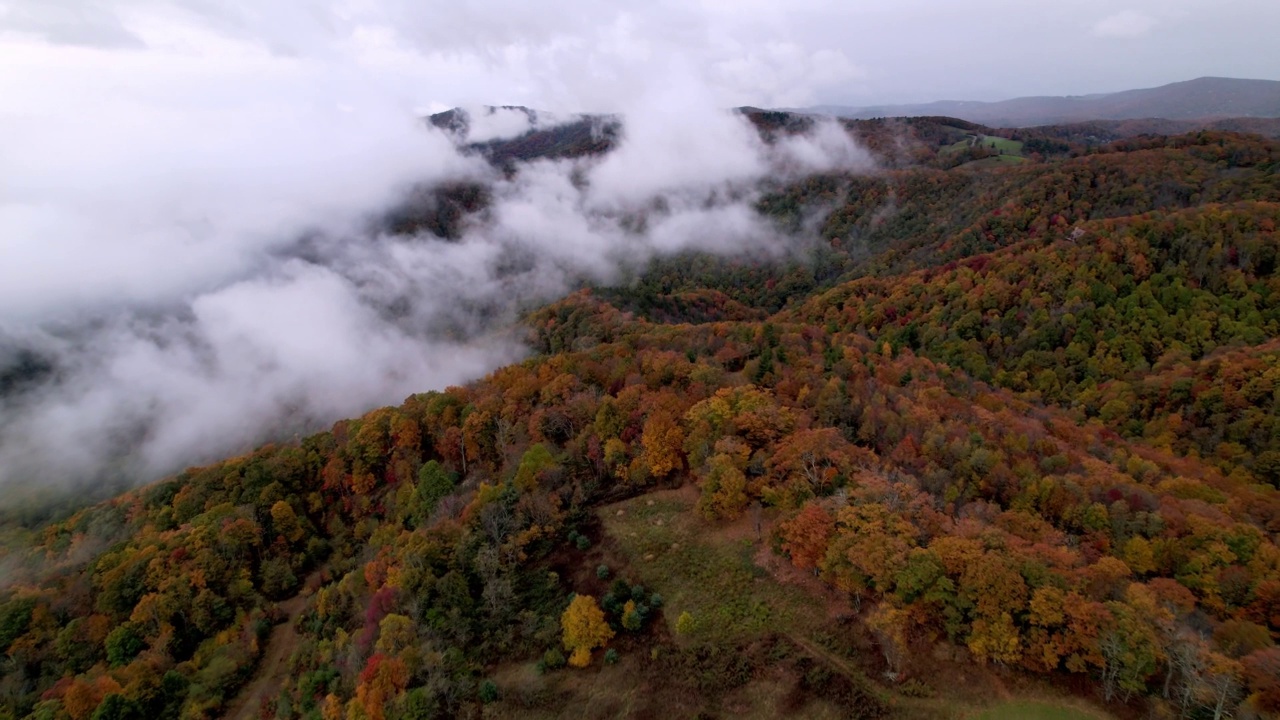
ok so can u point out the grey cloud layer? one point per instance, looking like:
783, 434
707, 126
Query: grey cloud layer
575, 55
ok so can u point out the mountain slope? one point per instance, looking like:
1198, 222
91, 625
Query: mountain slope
1007, 427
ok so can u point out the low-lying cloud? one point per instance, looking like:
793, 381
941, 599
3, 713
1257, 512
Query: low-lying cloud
192, 263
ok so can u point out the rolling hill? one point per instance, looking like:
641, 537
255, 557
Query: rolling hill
1202, 98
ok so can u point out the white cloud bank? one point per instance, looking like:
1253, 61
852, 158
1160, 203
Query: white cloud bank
185, 230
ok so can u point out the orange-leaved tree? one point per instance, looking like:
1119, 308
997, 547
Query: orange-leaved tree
806, 536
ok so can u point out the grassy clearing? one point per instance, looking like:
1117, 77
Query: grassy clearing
1010, 148
601, 691
697, 570
710, 572
1038, 710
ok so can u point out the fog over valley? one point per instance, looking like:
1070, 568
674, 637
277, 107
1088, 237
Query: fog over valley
197, 257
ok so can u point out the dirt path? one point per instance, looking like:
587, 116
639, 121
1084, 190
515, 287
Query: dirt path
272, 669
834, 661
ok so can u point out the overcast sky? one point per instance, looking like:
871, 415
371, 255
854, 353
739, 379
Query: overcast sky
585, 54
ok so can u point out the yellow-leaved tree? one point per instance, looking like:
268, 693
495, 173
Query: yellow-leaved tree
662, 439
584, 629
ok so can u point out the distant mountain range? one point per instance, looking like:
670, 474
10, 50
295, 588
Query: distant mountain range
1207, 97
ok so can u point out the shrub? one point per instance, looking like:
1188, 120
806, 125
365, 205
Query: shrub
602, 572
553, 659
611, 657
914, 688
685, 624
488, 692
620, 589
632, 618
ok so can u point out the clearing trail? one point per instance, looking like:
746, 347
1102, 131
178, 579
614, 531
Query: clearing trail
834, 661
272, 669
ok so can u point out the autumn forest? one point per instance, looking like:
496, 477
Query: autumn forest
993, 428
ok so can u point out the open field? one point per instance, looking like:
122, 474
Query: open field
1009, 147
710, 575
710, 572
1004, 145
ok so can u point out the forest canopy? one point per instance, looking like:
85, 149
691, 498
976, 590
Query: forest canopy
1027, 413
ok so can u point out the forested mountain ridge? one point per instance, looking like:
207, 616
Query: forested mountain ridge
1018, 415
1206, 97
